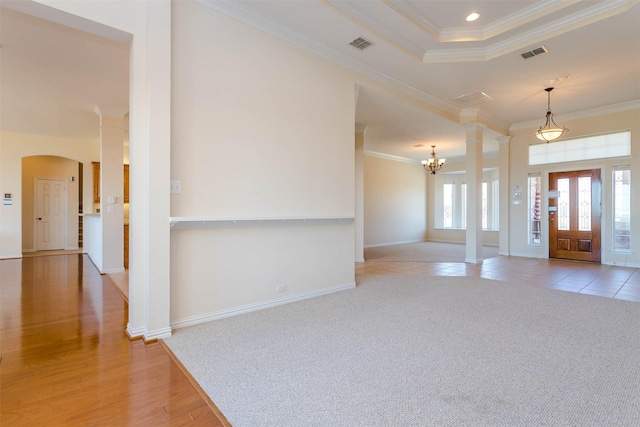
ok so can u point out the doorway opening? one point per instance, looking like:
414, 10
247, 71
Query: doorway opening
52, 203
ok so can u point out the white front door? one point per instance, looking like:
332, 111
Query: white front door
51, 214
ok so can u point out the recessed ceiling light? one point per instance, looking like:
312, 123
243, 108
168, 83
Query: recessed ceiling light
472, 16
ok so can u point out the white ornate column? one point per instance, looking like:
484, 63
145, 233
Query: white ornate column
112, 126
505, 193
474, 193
359, 192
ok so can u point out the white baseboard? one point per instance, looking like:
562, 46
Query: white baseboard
25, 251
113, 270
377, 245
11, 256
527, 255
622, 264
157, 334
359, 259
134, 333
221, 314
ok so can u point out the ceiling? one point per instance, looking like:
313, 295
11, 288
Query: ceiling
53, 76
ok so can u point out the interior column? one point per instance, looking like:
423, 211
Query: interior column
359, 204
112, 128
474, 193
504, 194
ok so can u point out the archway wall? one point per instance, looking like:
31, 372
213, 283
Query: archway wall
16, 146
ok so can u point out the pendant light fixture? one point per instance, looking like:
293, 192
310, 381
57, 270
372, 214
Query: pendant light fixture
433, 164
550, 131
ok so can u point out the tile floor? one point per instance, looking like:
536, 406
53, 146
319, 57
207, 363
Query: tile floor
573, 276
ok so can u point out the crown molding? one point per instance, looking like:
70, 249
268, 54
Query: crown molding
583, 114
249, 16
376, 27
413, 15
560, 26
390, 157
508, 23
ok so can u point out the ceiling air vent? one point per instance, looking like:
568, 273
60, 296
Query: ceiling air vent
472, 98
360, 43
535, 52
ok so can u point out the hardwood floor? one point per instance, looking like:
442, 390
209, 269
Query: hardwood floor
66, 360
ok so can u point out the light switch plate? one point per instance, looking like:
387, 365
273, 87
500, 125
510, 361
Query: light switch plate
176, 187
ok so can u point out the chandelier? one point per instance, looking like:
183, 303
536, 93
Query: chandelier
550, 130
433, 164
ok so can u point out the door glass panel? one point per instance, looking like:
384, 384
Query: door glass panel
564, 205
584, 203
535, 189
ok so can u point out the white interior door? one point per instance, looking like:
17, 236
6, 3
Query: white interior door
51, 214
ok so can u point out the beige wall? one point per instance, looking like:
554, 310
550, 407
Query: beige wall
15, 147
260, 129
394, 201
613, 122
48, 167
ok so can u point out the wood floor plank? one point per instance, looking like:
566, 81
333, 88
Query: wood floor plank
66, 360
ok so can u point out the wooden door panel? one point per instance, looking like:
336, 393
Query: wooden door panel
574, 215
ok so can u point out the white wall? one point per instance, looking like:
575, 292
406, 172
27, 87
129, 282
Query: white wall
260, 129
395, 207
613, 122
93, 235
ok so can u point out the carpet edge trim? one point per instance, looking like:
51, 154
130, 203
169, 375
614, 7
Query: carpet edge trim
207, 400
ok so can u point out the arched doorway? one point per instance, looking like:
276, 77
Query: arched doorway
52, 203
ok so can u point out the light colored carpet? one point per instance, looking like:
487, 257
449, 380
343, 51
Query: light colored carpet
424, 252
423, 351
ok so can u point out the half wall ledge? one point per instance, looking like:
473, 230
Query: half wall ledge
183, 222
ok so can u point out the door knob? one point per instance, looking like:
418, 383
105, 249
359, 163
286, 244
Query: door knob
39, 219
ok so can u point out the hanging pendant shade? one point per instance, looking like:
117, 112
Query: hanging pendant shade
550, 130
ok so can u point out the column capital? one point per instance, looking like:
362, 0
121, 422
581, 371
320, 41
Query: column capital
360, 128
111, 117
473, 126
503, 139
118, 113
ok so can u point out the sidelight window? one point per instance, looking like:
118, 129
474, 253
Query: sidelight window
535, 192
622, 208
